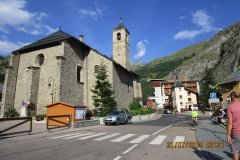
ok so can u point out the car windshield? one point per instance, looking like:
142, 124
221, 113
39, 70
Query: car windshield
115, 113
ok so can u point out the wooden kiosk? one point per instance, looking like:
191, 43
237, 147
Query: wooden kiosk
62, 114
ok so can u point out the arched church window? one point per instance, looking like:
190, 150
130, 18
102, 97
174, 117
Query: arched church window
39, 60
118, 36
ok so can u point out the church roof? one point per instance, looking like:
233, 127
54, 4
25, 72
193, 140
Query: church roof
50, 39
121, 26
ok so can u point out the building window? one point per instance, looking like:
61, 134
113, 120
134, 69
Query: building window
96, 67
179, 89
39, 60
79, 74
189, 93
180, 96
181, 103
118, 36
189, 99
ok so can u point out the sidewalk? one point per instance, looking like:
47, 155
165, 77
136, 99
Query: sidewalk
208, 132
39, 131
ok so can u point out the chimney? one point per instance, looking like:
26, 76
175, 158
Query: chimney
81, 38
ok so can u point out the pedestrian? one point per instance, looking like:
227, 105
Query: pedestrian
233, 126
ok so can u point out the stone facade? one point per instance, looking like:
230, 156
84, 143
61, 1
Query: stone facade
123, 86
59, 67
95, 59
71, 90
31, 75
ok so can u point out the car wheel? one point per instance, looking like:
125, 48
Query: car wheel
106, 124
117, 122
127, 121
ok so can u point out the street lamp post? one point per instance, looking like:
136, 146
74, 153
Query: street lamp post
51, 84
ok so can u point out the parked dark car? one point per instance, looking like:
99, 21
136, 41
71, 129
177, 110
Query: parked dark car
117, 117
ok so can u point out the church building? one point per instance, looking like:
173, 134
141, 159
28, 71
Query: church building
60, 67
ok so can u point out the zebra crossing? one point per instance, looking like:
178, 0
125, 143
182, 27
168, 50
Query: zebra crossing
119, 137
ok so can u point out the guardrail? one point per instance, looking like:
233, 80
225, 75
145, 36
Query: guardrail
60, 122
26, 119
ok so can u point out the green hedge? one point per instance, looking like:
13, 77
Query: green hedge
11, 112
142, 111
135, 105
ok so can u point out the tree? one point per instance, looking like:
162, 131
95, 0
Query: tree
205, 90
103, 93
147, 90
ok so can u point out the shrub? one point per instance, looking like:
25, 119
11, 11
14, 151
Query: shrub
142, 111
11, 112
135, 105
89, 114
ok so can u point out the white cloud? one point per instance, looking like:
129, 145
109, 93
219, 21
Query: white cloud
204, 23
88, 13
141, 49
182, 17
186, 34
95, 13
6, 47
13, 15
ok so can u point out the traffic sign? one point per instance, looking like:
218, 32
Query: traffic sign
213, 95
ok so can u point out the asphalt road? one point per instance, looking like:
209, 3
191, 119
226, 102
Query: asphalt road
141, 141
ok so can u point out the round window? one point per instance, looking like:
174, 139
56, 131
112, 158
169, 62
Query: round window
39, 59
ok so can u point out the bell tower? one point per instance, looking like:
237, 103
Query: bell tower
121, 45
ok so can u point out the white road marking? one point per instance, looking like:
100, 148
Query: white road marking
178, 139
139, 139
158, 140
91, 136
107, 136
123, 138
65, 135
162, 129
80, 135
128, 150
117, 158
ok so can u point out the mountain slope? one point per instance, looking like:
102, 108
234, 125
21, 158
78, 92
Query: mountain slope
159, 68
221, 53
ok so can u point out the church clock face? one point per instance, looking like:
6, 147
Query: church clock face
119, 48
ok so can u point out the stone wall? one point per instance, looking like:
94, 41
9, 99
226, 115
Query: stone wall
94, 59
49, 70
71, 91
10, 82
123, 86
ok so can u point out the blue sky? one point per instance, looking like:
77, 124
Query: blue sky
157, 28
